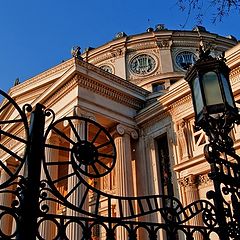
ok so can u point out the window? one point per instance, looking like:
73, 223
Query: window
164, 166
156, 87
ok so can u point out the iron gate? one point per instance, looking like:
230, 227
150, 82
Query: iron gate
33, 194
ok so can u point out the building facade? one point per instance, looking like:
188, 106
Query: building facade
134, 87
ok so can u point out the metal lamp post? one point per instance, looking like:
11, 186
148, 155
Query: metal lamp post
216, 113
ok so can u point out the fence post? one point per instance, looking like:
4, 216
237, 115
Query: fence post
30, 197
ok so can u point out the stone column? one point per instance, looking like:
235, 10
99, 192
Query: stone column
6, 200
124, 174
74, 231
189, 184
47, 228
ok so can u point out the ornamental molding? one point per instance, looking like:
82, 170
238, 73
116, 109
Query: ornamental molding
141, 46
106, 91
99, 59
184, 43
42, 76
107, 54
113, 78
182, 105
235, 75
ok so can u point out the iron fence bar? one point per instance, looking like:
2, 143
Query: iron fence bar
29, 211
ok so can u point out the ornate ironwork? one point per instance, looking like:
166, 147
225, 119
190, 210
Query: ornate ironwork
225, 173
35, 193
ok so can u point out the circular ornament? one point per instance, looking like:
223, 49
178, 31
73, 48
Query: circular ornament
142, 64
106, 68
185, 59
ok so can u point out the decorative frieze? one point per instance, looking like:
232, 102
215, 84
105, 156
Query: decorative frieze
110, 93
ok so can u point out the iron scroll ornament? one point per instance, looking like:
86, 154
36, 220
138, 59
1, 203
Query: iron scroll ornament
14, 130
87, 160
91, 159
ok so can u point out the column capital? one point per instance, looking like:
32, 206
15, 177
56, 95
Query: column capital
188, 181
78, 111
122, 129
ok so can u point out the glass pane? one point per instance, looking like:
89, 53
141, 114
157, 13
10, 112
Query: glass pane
212, 89
227, 91
197, 95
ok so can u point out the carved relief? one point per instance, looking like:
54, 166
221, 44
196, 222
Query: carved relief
163, 43
182, 139
117, 52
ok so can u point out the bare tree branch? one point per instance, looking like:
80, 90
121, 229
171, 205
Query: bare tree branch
218, 8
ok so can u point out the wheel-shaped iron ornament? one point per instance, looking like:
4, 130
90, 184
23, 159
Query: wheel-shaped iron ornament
14, 132
77, 147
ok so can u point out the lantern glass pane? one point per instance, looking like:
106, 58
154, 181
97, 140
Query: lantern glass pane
212, 89
197, 94
227, 91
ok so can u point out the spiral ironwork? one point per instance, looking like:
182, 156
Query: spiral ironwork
87, 151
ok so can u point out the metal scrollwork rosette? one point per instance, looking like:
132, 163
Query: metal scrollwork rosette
77, 146
14, 132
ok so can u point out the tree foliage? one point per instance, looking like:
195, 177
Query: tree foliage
199, 8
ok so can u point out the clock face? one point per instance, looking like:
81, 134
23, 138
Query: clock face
185, 59
142, 64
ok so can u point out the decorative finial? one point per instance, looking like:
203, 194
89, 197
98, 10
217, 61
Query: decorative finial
75, 51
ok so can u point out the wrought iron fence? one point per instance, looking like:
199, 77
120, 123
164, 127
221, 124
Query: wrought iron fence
30, 193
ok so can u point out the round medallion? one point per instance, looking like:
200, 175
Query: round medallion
185, 59
106, 68
142, 64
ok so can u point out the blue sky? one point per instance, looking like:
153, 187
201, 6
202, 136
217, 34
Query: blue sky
36, 35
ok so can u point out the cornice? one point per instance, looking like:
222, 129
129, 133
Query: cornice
110, 93
113, 78
42, 76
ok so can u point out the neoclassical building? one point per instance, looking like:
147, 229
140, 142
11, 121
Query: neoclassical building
134, 87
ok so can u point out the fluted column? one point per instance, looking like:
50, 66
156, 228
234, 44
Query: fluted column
189, 184
47, 229
6, 200
74, 231
124, 174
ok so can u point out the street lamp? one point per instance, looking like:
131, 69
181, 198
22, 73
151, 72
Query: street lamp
216, 113
211, 91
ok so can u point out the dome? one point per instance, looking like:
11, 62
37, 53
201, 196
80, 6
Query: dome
157, 58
